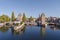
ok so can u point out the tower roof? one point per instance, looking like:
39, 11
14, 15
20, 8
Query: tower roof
42, 14
20, 14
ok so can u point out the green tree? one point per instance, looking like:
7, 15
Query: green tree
4, 18
12, 17
24, 18
30, 19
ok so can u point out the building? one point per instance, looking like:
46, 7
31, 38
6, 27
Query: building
58, 20
19, 17
52, 19
43, 18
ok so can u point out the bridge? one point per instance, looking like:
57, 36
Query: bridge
30, 23
51, 23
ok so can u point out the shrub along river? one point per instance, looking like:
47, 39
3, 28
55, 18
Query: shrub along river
31, 33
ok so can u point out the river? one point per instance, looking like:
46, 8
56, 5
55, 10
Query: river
31, 33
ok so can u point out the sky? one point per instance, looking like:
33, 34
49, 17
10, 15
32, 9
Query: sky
32, 8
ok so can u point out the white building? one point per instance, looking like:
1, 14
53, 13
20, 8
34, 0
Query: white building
19, 18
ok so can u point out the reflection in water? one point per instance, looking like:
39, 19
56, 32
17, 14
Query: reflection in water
58, 27
36, 33
43, 32
18, 32
53, 27
31, 26
4, 29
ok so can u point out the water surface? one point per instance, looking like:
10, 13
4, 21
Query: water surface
31, 33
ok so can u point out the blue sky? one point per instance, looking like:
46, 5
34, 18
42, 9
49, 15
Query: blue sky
30, 7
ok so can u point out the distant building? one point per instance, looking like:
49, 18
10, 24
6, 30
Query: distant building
43, 18
58, 20
34, 19
52, 19
19, 17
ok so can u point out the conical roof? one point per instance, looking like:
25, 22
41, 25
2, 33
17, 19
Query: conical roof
42, 14
20, 14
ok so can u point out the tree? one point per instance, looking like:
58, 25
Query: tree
24, 17
12, 17
4, 18
30, 19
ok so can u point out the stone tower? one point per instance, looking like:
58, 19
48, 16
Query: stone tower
19, 17
42, 18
